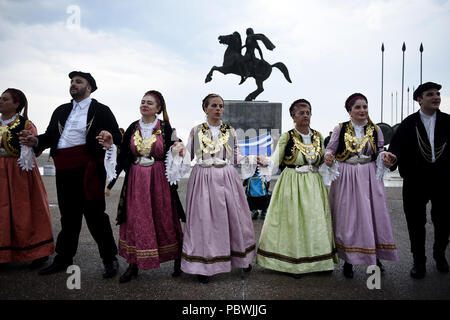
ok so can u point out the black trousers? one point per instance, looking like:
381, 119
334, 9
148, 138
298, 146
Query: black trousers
417, 191
72, 206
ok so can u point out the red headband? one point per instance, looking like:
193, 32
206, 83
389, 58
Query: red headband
354, 99
154, 95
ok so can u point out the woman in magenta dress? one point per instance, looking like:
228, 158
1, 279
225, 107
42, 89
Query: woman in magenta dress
219, 232
149, 208
25, 225
361, 221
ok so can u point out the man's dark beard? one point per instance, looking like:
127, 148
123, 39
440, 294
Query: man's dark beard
80, 94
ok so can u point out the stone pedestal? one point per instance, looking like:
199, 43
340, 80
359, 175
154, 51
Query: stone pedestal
253, 118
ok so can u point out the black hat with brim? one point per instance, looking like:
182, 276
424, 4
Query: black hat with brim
424, 87
86, 76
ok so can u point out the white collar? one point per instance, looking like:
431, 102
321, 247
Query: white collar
213, 127
83, 103
148, 126
304, 135
423, 115
7, 121
359, 126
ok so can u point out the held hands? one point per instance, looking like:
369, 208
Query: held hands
179, 147
329, 159
27, 138
388, 159
105, 139
261, 160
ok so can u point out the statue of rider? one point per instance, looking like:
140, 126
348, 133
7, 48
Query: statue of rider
249, 59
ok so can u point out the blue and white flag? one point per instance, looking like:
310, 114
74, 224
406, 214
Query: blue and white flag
261, 145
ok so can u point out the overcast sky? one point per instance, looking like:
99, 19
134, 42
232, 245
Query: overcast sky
331, 48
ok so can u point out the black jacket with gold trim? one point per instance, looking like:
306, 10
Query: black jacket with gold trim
405, 145
99, 118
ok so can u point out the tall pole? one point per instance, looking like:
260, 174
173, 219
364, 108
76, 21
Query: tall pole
407, 110
382, 78
396, 106
403, 77
421, 50
392, 108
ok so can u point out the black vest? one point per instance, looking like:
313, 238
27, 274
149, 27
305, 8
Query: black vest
343, 154
10, 139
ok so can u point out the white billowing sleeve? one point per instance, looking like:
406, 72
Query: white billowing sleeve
110, 162
176, 166
329, 174
26, 159
382, 170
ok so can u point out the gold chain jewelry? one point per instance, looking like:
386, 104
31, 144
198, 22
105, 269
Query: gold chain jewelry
212, 146
143, 146
310, 151
6, 129
354, 144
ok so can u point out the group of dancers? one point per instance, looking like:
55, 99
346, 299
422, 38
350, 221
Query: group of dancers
307, 227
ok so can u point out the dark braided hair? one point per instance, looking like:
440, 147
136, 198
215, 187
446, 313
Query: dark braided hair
19, 97
161, 102
205, 101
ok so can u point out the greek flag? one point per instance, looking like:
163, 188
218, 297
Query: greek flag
261, 145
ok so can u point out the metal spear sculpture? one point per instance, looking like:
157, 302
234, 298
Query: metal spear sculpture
403, 77
421, 51
382, 78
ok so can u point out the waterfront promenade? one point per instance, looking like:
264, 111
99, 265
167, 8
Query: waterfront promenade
17, 281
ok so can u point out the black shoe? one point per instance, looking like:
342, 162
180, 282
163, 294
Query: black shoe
295, 275
348, 270
131, 272
55, 267
177, 268
263, 215
442, 264
380, 265
110, 269
202, 279
248, 269
255, 214
37, 263
418, 271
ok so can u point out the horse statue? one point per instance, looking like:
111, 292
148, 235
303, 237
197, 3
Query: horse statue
234, 62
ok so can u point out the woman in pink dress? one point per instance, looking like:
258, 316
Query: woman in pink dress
361, 221
149, 208
219, 232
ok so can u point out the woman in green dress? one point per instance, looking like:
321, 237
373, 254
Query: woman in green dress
297, 235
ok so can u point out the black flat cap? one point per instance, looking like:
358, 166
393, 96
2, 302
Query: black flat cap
424, 87
86, 76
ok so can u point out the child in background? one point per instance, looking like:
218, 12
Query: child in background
258, 196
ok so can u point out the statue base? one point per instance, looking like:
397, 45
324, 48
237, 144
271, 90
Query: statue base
253, 118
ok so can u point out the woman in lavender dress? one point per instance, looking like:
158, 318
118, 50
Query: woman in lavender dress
218, 233
149, 208
362, 226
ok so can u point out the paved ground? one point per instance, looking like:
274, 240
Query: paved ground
18, 282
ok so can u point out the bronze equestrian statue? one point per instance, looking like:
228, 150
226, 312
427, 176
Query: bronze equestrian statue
248, 65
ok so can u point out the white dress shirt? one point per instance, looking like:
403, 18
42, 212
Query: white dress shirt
74, 133
429, 123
